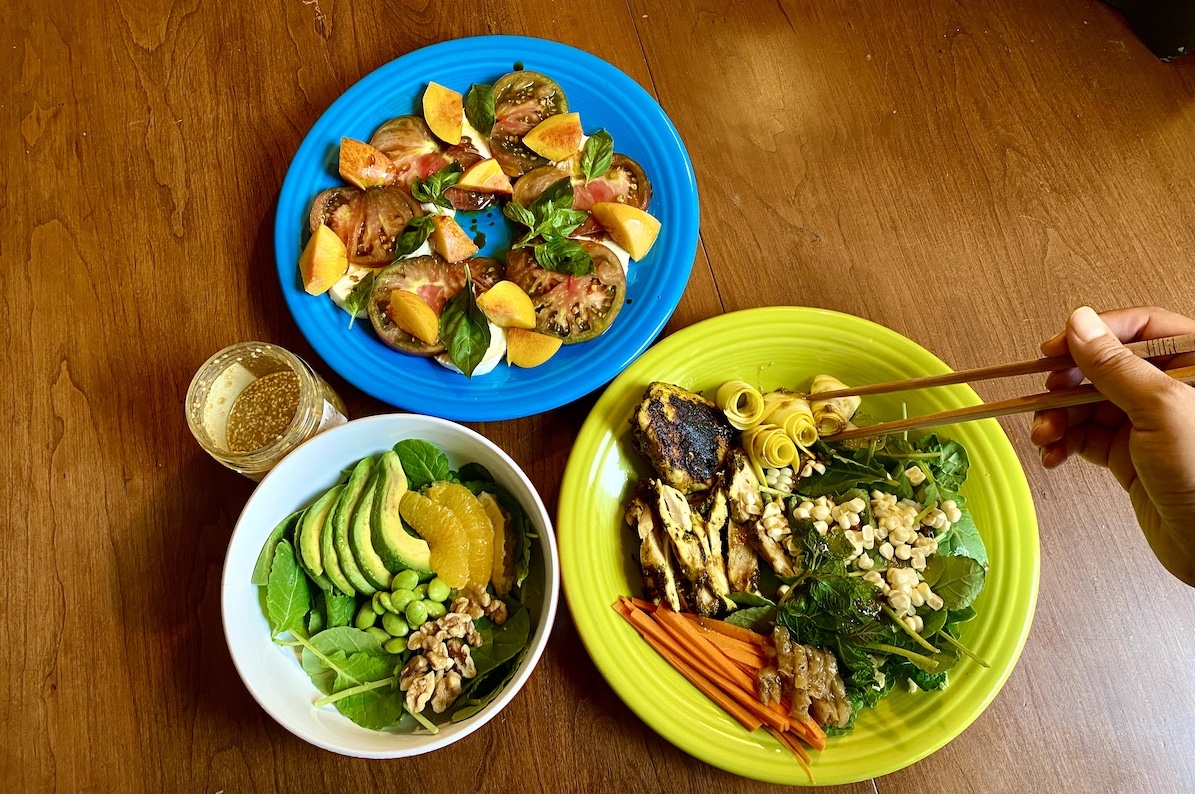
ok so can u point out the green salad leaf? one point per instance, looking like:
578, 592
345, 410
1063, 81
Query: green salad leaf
340, 609
757, 619
958, 580
288, 594
465, 329
597, 155
502, 643
265, 559
479, 107
413, 236
431, 190
422, 462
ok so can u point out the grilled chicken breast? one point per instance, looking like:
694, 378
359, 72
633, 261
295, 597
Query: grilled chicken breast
677, 518
684, 435
654, 556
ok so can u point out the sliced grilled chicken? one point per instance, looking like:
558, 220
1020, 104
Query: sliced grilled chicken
772, 552
653, 552
677, 518
742, 564
746, 503
684, 435
715, 522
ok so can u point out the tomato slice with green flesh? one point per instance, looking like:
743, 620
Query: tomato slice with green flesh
411, 146
369, 222
572, 308
432, 279
521, 101
625, 182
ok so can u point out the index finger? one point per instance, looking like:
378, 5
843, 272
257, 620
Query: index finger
1131, 324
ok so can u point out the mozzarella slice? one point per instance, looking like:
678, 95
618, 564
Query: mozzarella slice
347, 283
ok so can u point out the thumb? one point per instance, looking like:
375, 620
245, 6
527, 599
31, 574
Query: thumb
1139, 388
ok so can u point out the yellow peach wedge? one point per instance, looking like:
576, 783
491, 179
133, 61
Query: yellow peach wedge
450, 241
556, 137
323, 261
528, 349
363, 166
631, 227
486, 177
412, 314
444, 111
507, 306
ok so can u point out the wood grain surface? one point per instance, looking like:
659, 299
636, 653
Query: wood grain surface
965, 173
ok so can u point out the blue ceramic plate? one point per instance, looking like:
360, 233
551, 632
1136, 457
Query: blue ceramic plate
605, 97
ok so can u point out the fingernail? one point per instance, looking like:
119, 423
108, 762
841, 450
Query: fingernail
1037, 422
1044, 452
1087, 325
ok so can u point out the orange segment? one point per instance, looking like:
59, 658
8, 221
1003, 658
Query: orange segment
504, 553
474, 521
445, 536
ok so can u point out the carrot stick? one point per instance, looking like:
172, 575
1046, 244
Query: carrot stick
739, 651
731, 630
686, 629
655, 637
795, 747
646, 606
724, 642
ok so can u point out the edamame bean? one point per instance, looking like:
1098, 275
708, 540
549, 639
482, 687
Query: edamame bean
405, 580
376, 605
394, 625
434, 609
394, 646
366, 617
420, 592
378, 634
384, 599
416, 614
437, 590
400, 598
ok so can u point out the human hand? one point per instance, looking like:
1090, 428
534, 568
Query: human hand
1145, 434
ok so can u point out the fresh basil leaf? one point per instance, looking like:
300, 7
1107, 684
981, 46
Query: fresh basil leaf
359, 297
597, 155
562, 255
559, 194
751, 600
757, 619
465, 329
288, 594
414, 235
479, 107
519, 214
422, 462
431, 190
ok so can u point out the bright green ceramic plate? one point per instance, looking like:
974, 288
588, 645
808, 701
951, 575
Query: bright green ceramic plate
598, 553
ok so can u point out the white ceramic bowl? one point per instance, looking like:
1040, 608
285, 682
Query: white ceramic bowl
272, 672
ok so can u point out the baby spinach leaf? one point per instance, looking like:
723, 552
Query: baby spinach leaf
327, 643
316, 617
465, 329
340, 609
359, 297
842, 475
484, 690
288, 594
479, 107
950, 467
597, 155
757, 619
957, 580
963, 540
562, 255
422, 462
502, 643
378, 703
475, 472
285, 528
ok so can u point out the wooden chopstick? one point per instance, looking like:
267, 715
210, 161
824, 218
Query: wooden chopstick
1149, 348
1063, 398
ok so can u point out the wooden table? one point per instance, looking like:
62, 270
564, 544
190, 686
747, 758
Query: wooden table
962, 173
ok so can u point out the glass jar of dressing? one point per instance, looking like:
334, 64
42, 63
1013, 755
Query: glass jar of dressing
252, 403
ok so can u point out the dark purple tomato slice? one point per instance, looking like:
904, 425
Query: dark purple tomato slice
521, 101
432, 279
369, 222
572, 308
625, 183
532, 184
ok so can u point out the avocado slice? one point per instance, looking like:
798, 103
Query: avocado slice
341, 518
308, 536
328, 549
361, 543
398, 548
